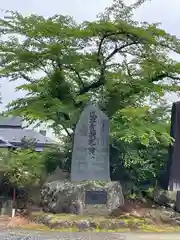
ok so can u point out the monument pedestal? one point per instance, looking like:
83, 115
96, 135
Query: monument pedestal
85, 197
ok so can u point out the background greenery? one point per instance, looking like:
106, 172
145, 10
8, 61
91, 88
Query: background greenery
123, 65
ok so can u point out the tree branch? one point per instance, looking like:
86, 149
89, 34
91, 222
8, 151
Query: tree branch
128, 69
91, 86
161, 76
118, 49
66, 130
44, 69
28, 79
101, 80
102, 66
77, 74
99, 53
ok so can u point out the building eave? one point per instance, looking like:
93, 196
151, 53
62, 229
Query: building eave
19, 144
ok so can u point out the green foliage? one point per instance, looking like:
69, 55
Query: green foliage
28, 143
121, 64
141, 125
4, 158
53, 158
23, 167
145, 163
138, 163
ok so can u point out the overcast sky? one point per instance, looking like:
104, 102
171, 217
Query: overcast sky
164, 11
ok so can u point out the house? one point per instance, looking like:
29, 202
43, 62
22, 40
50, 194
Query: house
12, 133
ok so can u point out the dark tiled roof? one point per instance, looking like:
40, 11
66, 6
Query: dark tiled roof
11, 121
15, 135
4, 143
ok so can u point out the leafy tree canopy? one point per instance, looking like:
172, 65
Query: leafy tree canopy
123, 65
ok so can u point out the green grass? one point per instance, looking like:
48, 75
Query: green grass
130, 223
148, 229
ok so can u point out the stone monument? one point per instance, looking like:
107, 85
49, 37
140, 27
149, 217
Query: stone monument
90, 158
172, 176
89, 190
171, 179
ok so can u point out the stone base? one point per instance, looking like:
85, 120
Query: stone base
69, 197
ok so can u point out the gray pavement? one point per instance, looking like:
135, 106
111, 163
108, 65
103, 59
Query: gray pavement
32, 235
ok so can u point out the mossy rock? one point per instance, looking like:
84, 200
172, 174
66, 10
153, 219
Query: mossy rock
63, 196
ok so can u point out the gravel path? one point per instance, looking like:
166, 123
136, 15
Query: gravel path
31, 235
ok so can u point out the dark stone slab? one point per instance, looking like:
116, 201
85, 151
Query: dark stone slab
171, 177
95, 197
177, 205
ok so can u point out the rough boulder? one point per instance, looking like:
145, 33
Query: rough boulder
69, 197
